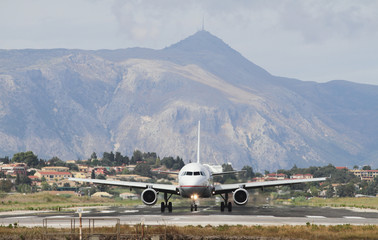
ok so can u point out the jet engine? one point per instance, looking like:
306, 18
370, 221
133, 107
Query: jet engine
240, 196
149, 196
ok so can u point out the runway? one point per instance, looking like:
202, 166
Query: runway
181, 216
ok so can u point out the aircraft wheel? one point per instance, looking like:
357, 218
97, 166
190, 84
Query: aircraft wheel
195, 207
229, 206
162, 207
222, 206
191, 207
170, 206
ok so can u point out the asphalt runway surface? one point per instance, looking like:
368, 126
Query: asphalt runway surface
181, 216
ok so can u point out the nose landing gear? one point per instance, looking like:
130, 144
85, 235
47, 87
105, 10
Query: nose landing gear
193, 206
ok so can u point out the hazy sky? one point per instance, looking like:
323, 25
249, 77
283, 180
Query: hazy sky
319, 40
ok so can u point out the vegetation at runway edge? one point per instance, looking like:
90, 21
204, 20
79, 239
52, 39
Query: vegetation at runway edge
60, 201
362, 202
52, 201
308, 231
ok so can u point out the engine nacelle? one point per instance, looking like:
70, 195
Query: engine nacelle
149, 196
240, 196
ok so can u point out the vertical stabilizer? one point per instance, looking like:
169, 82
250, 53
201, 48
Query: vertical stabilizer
198, 147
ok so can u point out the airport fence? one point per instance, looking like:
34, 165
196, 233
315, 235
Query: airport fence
77, 228
81, 228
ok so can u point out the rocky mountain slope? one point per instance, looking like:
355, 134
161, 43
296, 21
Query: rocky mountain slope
69, 103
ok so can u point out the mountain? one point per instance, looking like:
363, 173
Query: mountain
70, 103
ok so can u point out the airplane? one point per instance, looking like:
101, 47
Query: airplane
195, 181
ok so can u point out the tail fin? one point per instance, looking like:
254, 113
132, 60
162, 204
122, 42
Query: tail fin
198, 148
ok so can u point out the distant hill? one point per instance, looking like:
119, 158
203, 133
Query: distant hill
69, 103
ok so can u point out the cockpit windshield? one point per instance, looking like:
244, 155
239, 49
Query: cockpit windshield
197, 173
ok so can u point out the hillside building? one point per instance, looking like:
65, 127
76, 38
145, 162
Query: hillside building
14, 169
366, 175
53, 175
56, 169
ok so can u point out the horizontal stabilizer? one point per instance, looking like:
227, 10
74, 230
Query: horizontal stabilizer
165, 172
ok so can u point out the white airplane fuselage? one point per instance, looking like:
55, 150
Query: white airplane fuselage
195, 181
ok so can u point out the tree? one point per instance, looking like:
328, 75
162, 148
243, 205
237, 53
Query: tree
143, 170
355, 167
314, 191
22, 179
45, 186
93, 175
93, 156
168, 162
248, 172
26, 157
72, 167
18, 180
24, 188
118, 159
55, 161
178, 163
330, 192
6, 185
54, 186
366, 167
347, 190
5, 160
108, 158
157, 162
137, 157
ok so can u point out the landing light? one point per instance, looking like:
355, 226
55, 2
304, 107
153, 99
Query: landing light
194, 197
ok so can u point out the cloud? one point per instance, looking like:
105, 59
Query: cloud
318, 21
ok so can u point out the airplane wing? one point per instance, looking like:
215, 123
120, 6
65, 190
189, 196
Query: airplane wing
229, 172
226, 188
141, 185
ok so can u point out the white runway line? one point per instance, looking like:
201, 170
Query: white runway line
59, 216
21, 217
353, 217
131, 211
107, 211
315, 216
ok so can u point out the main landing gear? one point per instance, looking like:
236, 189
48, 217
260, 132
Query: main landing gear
225, 203
166, 204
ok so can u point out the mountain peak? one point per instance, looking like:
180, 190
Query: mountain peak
201, 41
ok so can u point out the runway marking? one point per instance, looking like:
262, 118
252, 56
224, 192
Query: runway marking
107, 211
264, 216
131, 211
19, 217
353, 217
315, 216
59, 216
206, 209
